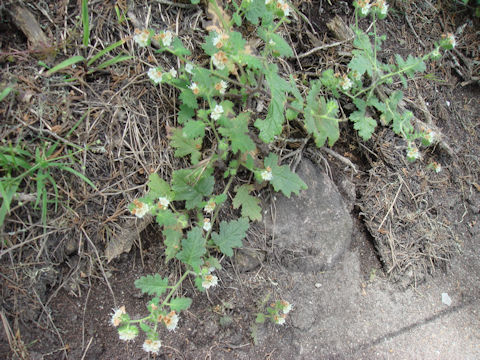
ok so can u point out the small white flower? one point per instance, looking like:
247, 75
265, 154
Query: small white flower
209, 280
451, 39
430, 136
282, 5
166, 37
171, 321
221, 87
173, 72
209, 207
268, 2
383, 8
436, 167
127, 332
286, 306
141, 37
164, 202
271, 42
140, 209
346, 83
220, 59
189, 68
155, 75
207, 225
267, 174
412, 152
364, 6
194, 87
279, 319
117, 316
217, 112
152, 346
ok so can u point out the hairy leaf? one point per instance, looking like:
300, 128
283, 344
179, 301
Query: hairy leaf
236, 131
283, 179
255, 10
180, 304
321, 117
186, 146
193, 248
192, 186
250, 204
152, 284
231, 235
172, 242
272, 125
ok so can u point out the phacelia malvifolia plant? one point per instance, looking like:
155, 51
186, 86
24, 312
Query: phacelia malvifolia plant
217, 135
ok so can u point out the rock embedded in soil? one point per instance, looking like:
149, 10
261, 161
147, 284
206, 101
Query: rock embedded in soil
314, 229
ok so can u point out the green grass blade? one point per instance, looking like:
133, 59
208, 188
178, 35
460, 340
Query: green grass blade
75, 172
7, 191
77, 124
55, 190
85, 23
5, 92
113, 61
104, 51
66, 63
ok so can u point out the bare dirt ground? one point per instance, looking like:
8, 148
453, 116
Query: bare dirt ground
415, 236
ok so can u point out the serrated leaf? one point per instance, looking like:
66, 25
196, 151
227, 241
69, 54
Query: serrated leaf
362, 41
321, 117
260, 319
231, 235
157, 187
275, 42
186, 146
283, 179
172, 240
273, 123
152, 284
391, 103
166, 218
188, 98
179, 304
193, 248
185, 114
236, 131
250, 204
361, 63
364, 124
178, 48
192, 186
411, 65
194, 129
236, 42
208, 46
255, 10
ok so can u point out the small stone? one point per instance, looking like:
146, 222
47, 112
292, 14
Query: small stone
446, 299
318, 285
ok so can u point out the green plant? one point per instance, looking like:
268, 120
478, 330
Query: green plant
216, 136
89, 61
19, 167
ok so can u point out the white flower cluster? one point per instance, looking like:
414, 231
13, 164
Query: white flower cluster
207, 225
221, 87
140, 209
217, 112
155, 75
141, 37
209, 280
152, 346
267, 174
220, 60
